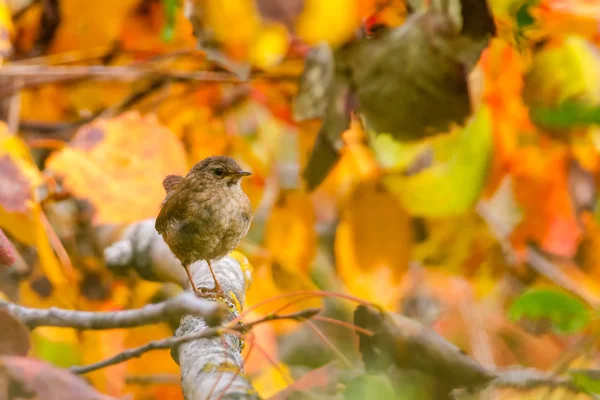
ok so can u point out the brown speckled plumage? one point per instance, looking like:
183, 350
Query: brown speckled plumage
205, 214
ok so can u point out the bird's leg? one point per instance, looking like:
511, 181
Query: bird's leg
196, 290
217, 288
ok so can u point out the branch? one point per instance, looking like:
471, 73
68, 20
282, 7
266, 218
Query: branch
174, 341
183, 304
405, 344
529, 378
213, 364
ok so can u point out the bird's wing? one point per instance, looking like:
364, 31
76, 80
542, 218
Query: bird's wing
173, 208
171, 182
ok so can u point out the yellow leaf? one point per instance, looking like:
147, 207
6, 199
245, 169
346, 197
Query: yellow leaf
564, 71
6, 30
219, 15
93, 96
290, 235
20, 214
48, 261
245, 266
357, 162
47, 103
272, 380
455, 180
333, 21
118, 165
372, 244
269, 47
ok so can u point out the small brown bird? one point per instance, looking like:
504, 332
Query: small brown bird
205, 214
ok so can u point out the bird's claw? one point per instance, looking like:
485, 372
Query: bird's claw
208, 292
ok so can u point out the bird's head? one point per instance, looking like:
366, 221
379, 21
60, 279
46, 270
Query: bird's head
220, 170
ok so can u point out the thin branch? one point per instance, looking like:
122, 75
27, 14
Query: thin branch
183, 304
153, 379
405, 343
525, 379
174, 341
329, 344
35, 75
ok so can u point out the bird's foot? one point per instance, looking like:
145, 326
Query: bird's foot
208, 292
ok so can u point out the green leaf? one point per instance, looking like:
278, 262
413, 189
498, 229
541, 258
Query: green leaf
370, 387
523, 15
567, 115
567, 313
453, 183
57, 352
170, 14
587, 380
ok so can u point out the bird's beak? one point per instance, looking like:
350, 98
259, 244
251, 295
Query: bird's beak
242, 173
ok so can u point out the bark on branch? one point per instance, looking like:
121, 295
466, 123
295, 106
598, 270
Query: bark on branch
211, 366
183, 304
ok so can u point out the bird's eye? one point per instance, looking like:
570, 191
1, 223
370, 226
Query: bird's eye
219, 171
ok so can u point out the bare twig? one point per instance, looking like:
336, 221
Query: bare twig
14, 110
176, 341
183, 304
34, 75
528, 378
153, 379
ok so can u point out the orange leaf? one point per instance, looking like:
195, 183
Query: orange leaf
580, 17
88, 24
151, 363
270, 281
118, 165
265, 336
142, 30
550, 222
503, 69
98, 345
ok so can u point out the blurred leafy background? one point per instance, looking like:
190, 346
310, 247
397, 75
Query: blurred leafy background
487, 231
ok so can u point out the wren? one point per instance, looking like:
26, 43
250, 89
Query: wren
205, 214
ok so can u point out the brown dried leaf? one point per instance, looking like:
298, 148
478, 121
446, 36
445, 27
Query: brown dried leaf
14, 186
118, 164
14, 336
7, 251
28, 378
